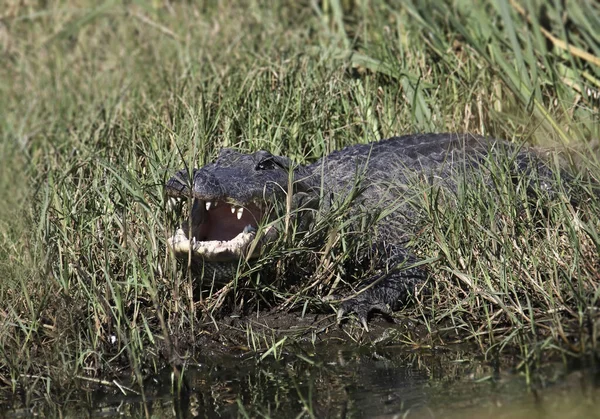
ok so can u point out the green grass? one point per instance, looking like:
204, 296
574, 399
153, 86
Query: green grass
102, 103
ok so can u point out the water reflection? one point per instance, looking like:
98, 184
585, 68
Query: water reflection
349, 382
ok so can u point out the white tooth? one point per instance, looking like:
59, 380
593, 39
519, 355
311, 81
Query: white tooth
207, 205
232, 209
215, 204
240, 211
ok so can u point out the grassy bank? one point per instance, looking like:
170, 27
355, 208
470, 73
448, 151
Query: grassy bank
102, 103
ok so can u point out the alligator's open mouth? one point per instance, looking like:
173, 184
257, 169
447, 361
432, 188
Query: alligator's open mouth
218, 231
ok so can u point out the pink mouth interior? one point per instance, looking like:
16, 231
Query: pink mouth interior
219, 223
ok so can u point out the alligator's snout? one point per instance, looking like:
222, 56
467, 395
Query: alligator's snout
234, 203
202, 183
218, 227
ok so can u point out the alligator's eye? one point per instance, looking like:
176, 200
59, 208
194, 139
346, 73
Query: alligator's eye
266, 164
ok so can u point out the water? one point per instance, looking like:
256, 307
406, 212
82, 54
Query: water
345, 381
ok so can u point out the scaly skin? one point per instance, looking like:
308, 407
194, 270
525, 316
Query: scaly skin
382, 172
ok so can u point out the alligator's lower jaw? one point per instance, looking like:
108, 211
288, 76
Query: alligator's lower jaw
241, 246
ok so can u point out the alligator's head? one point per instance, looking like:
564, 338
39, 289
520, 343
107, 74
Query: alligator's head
235, 201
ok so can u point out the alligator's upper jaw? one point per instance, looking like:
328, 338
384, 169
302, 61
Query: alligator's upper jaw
220, 232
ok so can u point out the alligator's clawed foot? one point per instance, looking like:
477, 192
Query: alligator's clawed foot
362, 318
362, 309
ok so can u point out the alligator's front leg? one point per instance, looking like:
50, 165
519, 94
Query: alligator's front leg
389, 289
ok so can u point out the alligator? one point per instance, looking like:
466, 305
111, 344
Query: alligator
238, 202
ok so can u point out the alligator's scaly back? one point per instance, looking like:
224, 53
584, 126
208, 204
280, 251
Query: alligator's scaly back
386, 172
